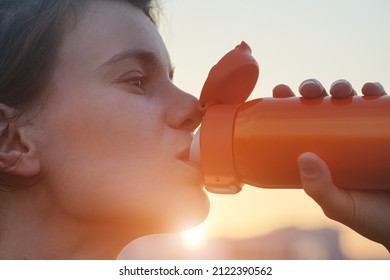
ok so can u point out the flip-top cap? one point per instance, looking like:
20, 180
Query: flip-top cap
231, 80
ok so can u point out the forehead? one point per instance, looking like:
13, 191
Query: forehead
106, 28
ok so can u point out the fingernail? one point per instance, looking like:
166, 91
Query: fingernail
341, 89
308, 168
281, 91
374, 88
311, 89
310, 82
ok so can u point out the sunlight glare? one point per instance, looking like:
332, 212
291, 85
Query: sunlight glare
194, 238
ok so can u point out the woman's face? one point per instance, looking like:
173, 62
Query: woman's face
114, 133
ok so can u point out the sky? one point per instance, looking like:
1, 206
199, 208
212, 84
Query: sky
292, 41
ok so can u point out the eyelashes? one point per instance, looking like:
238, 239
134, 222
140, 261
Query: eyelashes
139, 82
133, 81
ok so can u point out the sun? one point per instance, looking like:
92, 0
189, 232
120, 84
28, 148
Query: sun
194, 238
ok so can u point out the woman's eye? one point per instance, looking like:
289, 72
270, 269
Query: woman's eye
133, 82
138, 82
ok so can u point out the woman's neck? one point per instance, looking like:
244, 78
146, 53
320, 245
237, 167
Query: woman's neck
31, 230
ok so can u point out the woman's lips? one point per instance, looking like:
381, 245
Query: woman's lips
184, 156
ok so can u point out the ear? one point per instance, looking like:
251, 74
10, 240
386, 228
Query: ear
18, 154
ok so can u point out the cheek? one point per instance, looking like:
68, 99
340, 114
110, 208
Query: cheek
99, 176
127, 189
118, 165
133, 186
89, 149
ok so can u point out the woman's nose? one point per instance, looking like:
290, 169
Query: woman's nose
183, 113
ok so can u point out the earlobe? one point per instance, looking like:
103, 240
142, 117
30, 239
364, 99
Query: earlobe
18, 155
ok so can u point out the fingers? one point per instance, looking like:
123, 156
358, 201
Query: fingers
312, 88
317, 183
342, 89
373, 89
282, 91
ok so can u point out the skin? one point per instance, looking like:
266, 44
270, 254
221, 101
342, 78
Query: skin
109, 147
366, 212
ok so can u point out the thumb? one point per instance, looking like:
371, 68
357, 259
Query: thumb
317, 183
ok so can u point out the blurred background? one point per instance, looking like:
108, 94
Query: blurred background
292, 41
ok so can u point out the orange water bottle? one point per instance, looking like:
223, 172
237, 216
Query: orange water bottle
258, 142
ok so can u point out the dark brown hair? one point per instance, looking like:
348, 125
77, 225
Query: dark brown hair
30, 36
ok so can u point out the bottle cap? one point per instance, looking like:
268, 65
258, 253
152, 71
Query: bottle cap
231, 80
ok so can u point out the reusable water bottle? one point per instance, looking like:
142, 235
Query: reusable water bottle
258, 142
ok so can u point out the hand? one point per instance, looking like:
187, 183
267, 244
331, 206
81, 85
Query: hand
366, 212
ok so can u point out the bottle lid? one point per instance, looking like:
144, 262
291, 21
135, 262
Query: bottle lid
231, 80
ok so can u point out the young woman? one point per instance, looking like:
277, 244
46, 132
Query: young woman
94, 136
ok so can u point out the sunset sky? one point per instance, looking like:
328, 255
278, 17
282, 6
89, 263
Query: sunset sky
292, 41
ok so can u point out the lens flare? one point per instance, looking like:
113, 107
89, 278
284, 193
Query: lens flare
194, 238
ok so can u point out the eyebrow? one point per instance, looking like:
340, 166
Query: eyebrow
149, 58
